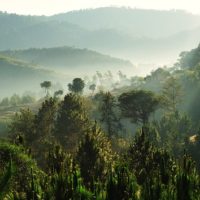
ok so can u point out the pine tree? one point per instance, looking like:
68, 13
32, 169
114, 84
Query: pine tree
94, 156
172, 94
23, 126
72, 120
45, 119
108, 112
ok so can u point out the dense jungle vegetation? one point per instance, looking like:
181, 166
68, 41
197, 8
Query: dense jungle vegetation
138, 141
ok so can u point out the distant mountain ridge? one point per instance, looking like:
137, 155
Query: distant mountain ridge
134, 34
133, 22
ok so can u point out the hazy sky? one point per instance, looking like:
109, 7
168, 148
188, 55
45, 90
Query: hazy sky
48, 7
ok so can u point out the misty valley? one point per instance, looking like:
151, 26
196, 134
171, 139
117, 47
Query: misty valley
100, 104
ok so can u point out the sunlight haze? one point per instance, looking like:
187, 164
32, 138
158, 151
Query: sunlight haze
50, 7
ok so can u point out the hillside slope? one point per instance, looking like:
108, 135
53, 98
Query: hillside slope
68, 59
17, 76
133, 22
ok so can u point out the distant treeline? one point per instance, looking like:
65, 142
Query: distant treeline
15, 100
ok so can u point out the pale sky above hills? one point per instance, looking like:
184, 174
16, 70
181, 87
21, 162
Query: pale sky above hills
49, 7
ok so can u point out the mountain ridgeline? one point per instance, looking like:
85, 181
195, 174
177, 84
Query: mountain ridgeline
132, 22
68, 58
123, 32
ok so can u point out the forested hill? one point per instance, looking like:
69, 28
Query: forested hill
17, 76
69, 58
22, 70
34, 31
190, 59
135, 34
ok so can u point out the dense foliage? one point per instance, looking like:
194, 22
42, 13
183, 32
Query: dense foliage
77, 147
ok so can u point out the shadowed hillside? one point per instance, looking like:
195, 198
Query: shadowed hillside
18, 76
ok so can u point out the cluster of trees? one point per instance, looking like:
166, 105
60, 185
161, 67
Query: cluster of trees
142, 172
78, 157
15, 100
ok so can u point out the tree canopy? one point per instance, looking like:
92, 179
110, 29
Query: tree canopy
138, 105
76, 86
46, 85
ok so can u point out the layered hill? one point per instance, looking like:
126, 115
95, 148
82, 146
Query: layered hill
17, 76
22, 70
132, 22
66, 59
135, 34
